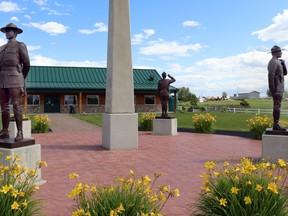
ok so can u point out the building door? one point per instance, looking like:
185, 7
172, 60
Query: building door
51, 103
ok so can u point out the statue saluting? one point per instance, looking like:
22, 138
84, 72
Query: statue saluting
163, 91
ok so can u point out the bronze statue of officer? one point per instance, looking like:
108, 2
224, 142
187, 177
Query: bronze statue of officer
14, 68
276, 72
163, 92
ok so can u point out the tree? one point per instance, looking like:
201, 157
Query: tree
184, 94
194, 100
224, 95
244, 103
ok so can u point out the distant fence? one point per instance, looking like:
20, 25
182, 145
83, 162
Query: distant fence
236, 110
256, 111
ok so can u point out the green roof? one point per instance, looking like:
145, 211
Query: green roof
58, 78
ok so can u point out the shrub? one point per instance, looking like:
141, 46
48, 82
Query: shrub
126, 197
41, 124
246, 188
17, 188
258, 125
203, 123
146, 121
244, 103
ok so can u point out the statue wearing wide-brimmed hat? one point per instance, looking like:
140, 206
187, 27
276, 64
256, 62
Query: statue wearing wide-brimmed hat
276, 72
14, 68
11, 26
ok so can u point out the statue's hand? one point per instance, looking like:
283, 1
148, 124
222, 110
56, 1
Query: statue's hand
22, 91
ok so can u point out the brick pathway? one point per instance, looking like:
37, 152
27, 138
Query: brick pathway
75, 146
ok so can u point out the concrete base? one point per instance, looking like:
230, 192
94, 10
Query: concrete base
29, 155
119, 131
26, 129
162, 126
274, 147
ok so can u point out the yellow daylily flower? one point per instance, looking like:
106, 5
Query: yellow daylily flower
234, 190
247, 200
15, 206
223, 202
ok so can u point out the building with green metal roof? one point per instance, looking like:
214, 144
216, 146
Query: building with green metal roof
61, 89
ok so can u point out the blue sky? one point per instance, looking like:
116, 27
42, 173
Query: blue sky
210, 46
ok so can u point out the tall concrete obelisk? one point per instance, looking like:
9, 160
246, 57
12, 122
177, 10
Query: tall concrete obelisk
119, 122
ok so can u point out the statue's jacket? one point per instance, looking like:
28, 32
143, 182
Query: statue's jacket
14, 64
276, 72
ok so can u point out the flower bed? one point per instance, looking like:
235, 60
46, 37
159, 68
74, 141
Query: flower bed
246, 188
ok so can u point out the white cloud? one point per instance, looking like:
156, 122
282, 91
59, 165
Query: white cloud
167, 58
2, 41
166, 48
139, 38
57, 4
8, 6
246, 72
87, 31
32, 48
52, 28
99, 27
277, 31
190, 23
39, 60
28, 17
53, 12
14, 18
40, 2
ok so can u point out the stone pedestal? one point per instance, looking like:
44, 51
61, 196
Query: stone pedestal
29, 155
165, 126
275, 145
26, 129
119, 131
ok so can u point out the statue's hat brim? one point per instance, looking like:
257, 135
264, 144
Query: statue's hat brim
11, 26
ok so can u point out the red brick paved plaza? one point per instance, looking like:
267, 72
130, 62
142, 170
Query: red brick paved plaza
75, 146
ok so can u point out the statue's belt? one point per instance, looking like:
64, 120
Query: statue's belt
9, 68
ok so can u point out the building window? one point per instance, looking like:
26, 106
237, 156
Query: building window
92, 99
149, 99
70, 99
33, 99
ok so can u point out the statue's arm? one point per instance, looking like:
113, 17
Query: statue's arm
284, 67
272, 67
158, 88
25, 60
172, 79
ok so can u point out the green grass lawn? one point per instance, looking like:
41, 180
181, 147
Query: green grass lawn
254, 103
225, 120
95, 119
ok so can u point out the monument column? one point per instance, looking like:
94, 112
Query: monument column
119, 122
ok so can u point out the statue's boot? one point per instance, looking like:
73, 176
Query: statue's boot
18, 119
277, 125
4, 133
19, 136
163, 112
